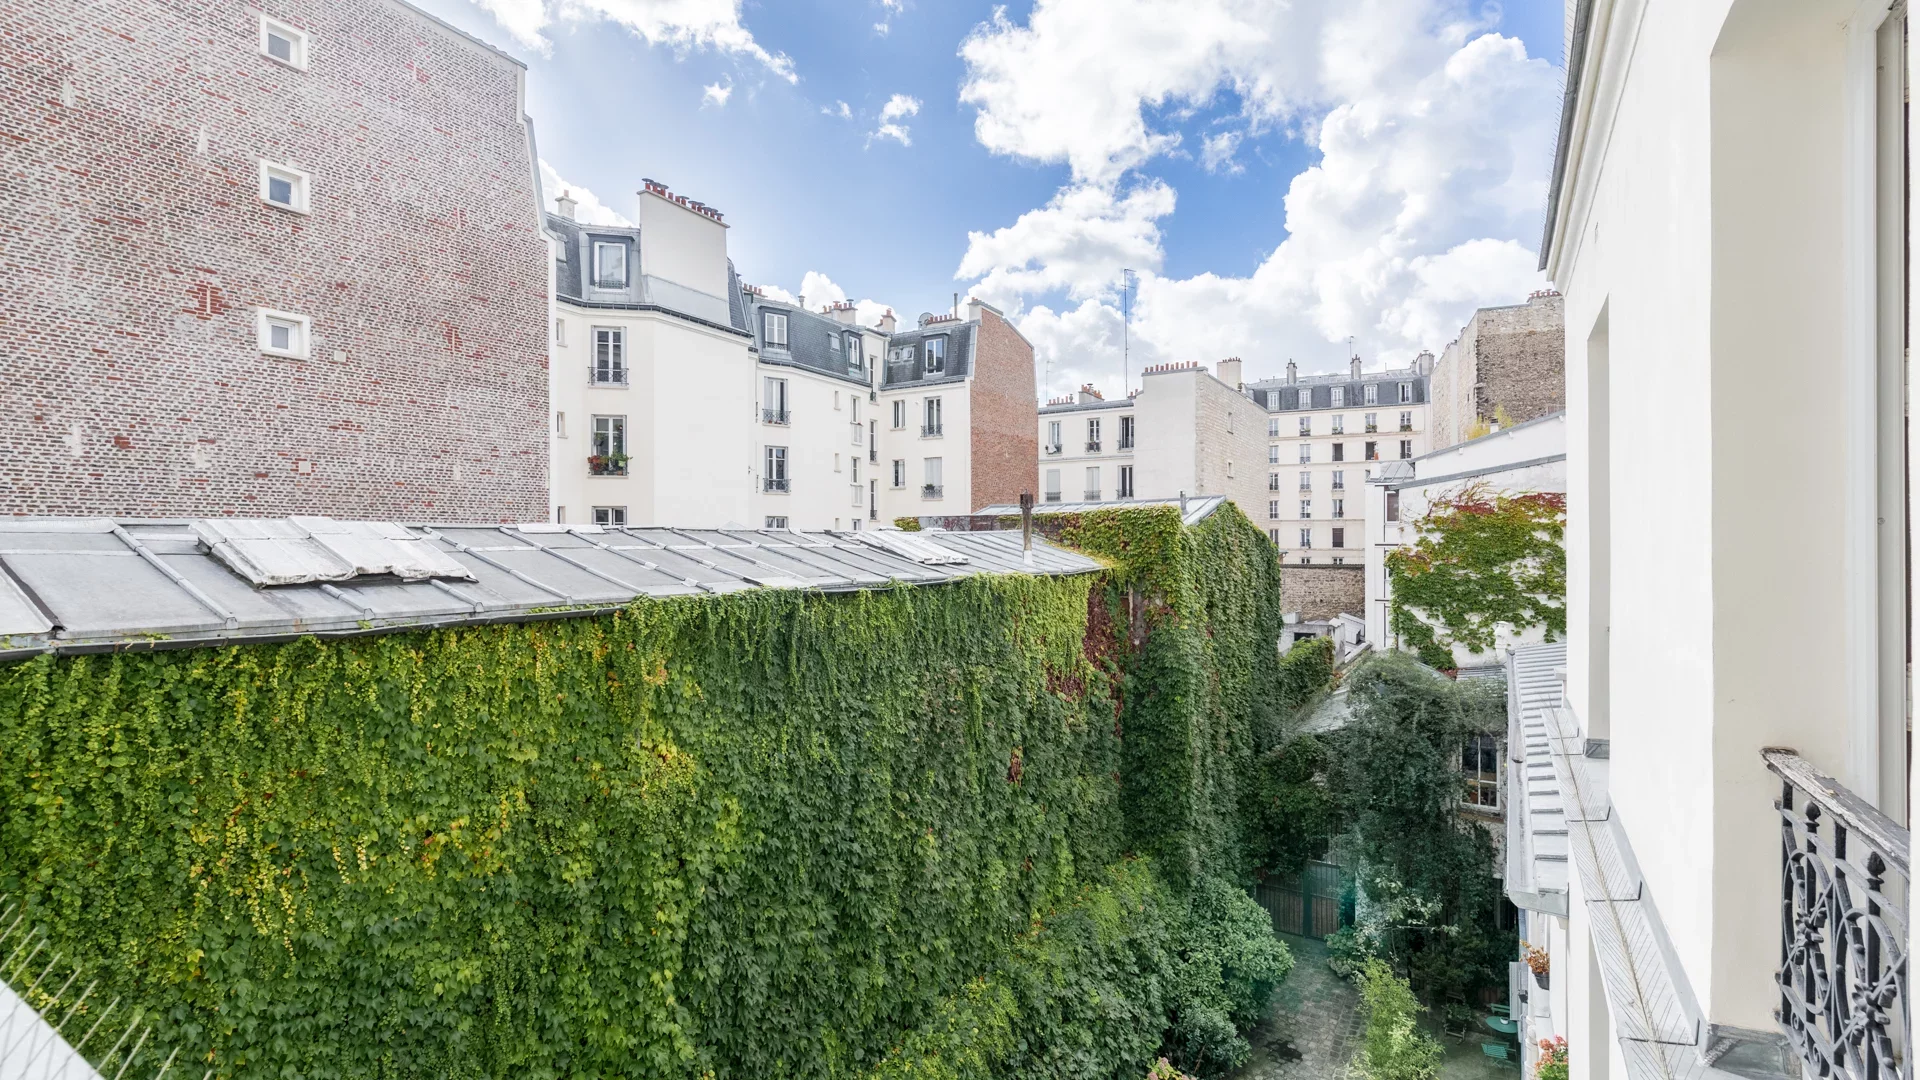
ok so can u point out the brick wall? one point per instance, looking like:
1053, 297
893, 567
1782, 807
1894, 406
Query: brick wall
1506, 357
135, 250
1321, 592
1005, 439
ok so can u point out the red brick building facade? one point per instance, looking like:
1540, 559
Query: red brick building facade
1005, 413
140, 245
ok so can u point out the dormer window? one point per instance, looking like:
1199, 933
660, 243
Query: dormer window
936, 355
1373, 393
855, 359
1306, 400
609, 265
1406, 393
776, 330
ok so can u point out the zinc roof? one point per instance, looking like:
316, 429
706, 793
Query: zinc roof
95, 584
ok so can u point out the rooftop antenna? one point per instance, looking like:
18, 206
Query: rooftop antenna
1128, 282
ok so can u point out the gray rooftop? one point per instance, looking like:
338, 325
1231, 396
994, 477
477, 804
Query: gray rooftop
910, 348
95, 584
815, 342
1083, 406
1316, 391
644, 291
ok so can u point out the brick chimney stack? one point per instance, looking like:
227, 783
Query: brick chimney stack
1088, 394
844, 311
888, 322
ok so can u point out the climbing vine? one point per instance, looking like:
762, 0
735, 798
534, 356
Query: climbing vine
1480, 561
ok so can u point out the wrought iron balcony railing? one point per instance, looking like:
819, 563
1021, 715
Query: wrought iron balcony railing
1844, 885
1093, 446
774, 416
777, 483
931, 491
929, 431
1093, 494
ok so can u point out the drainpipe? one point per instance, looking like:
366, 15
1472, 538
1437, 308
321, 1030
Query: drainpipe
1026, 528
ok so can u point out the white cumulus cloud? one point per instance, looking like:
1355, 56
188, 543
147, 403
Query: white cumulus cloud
716, 94
1432, 137
591, 210
678, 24
892, 116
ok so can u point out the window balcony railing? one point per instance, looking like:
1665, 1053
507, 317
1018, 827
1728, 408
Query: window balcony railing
607, 464
1093, 446
1053, 496
873, 455
931, 491
774, 416
777, 484
1844, 885
1093, 495
928, 431
1054, 448
1406, 427
1372, 428
599, 377
1306, 487
1126, 444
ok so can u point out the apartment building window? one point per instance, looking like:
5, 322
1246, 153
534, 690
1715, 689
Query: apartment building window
836, 401
1339, 397
1406, 421
1306, 426
1306, 453
1406, 449
1053, 485
936, 355
1053, 436
1373, 451
775, 330
1093, 483
1306, 560
873, 500
1093, 436
609, 456
1339, 480
776, 521
1304, 399
559, 515
1273, 453
1406, 393
1339, 424
559, 425
613, 516
1393, 506
1273, 509
900, 414
1306, 508
1273, 427
285, 187
609, 265
1340, 537
873, 442
1339, 510
773, 401
934, 486
1373, 393
856, 357
282, 333
1126, 483
899, 472
283, 43
1373, 420
930, 421
1273, 481
1274, 535
560, 333
1339, 451
776, 474
1338, 561
1480, 762
610, 356
859, 493
1306, 481
1126, 433
836, 463
1306, 540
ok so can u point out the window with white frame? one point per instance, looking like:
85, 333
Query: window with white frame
936, 355
1126, 433
1339, 480
615, 516
1273, 427
1093, 483
1306, 508
935, 484
1406, 393
1305, 398
1406, 421
560, 332
1406, 449
1339, 451
1306, 453
1339, 510
559, 425
609, 356
1339, 424
286, 44
1274, 535
1393, 506
1053, 436
1125, 490
609, 457
285, 187
900, 414
1273, 509
1306, 560
1306, 539
609, 264
282, 333
1480, 763
1093, 435
899, 472
856, 356
1373, 421
1273, 481
1273, 453
930, 419
1373, 393
1052, 486
776, 521
1306, 480
1339, 397
1306, 426
776, 473
773, 400
775, 330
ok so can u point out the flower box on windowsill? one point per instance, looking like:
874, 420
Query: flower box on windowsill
607, 464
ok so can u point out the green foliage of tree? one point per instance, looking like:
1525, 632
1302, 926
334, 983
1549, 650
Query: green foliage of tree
1295, 814
1231, 963
1394, 1047
1481, 560
1427, 868
1305, 671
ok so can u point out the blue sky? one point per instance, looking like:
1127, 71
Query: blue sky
1032, 152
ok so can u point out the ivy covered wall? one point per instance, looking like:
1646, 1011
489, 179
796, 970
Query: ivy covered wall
765, 834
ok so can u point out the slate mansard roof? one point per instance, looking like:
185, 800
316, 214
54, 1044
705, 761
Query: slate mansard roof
910, 346
644, 291
815, 342
1278, 394
70, 585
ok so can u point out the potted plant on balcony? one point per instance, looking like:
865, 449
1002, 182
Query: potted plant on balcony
1537, 963
603, 464
1553, 1059
929, 490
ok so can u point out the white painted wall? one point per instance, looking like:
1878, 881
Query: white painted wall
824, 461
681, 245
953, 447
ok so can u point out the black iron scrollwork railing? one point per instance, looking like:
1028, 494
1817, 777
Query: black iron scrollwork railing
1844, 883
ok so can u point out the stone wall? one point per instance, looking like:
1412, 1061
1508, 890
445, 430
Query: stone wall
1321, 592
136, 253
1230, 432
1511, 358
1005, 435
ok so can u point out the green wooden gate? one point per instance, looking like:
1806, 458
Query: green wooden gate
1306, 903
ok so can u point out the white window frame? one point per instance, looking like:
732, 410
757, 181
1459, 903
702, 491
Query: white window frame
1339, 424
560, 333
617, 369
1273, 453
626, 266
1273, 509
776, 521
300, 42
899, 472
1372, 394
856, 356
1306, 453
1306, 425
936, 358
1339, 399
774, 329
1124, 488
1406, 393
1306, 540
1306, 480
302, 326
299, 181
1273, 427
1306, 509
610, 516
1126, 433
1053, 434
1093, 488
778, 464
899, 413
1340, 508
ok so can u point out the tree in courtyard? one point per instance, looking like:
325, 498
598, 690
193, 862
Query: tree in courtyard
1394, 1048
